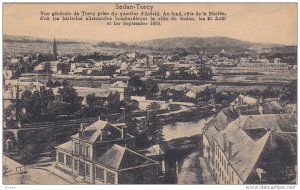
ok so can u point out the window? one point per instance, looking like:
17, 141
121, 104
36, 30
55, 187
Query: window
76, 148
76, 165
61, 158
87, 170
87, 152
100, 174
81, 149
110, 178
222, 174
69, 161
227, 170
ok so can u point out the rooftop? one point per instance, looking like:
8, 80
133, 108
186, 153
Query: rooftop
101, 131
119, 158
244, 152
276, 122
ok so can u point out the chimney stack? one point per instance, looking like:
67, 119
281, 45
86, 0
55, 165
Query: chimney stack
123, 131
81, 131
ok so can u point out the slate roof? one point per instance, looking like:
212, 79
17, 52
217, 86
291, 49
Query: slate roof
245, 151
274, 106
119, 84
244, 99
93, 132
84, 91
66, 146
197, 89
118, 158
154, 150
218, 123
181, 87
222, 119
276, 122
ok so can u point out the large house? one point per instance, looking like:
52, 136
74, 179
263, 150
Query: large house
252, 149
103, 153
246, 105
108, 99
120, 87
201, 93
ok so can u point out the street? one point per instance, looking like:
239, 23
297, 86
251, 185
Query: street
34, 177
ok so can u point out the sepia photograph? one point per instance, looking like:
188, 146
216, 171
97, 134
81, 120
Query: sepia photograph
149, 93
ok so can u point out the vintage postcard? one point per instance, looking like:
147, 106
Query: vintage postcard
149, 93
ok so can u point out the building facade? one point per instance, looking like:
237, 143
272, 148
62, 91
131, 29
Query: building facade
103, 153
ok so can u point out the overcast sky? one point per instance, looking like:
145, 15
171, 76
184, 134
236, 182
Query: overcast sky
268, 22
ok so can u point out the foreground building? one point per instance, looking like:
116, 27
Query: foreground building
103, 153
252, 149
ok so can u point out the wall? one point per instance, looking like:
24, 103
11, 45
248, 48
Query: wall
147, 175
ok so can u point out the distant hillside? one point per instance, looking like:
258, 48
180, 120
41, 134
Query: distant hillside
18, 45
201, 42
13, 45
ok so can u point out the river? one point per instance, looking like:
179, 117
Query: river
184, 129
183, 167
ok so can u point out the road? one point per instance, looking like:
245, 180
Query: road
190, 171
34, 176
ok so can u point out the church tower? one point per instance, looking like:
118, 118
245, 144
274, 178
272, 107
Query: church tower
55, 49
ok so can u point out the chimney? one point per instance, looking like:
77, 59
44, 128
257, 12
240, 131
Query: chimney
230, 149
123, 131
81, 131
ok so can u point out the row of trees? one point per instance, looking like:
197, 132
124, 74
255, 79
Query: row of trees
43, 105
287, 94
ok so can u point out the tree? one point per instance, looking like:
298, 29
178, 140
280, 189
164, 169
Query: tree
69, 95
91, 99
269, 92
289, 92
57, 107
153, 126
50, 83
151, 88
65, 83
57, 83
136, 86
153, 107
205, 73
26, 99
